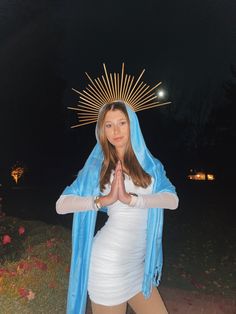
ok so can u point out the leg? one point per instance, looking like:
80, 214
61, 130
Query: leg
102, 309
152, 305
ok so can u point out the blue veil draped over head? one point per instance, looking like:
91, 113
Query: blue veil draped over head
87, 184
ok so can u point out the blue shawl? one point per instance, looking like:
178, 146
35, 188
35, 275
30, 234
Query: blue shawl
87, 184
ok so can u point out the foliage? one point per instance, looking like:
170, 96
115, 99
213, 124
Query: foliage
12, 235
37, 280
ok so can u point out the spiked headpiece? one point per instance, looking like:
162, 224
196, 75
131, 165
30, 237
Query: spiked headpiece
114, 87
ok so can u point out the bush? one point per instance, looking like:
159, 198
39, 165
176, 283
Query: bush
34, 269
12, 235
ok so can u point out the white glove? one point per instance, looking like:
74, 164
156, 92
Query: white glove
72, 203
157, 200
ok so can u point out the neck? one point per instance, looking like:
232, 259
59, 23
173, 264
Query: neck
120, 154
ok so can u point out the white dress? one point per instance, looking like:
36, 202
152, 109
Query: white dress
117, 257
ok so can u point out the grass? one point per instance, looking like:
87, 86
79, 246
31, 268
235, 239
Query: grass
35, 280
199, 247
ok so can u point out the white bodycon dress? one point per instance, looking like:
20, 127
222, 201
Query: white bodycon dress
117, 257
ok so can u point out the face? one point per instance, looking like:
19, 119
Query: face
116, 127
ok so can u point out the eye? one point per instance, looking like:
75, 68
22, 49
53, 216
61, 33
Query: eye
123, 122
108, 125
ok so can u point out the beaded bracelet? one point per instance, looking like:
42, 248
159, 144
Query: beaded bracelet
133, 200
97, 203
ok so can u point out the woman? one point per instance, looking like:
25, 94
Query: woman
123, 262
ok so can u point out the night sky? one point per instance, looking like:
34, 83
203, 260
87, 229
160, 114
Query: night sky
47, 46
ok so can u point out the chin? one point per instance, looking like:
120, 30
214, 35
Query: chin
120, 146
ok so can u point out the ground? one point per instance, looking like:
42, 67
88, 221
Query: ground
198, 245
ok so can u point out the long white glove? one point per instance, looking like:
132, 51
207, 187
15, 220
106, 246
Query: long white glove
157, 200
72, 203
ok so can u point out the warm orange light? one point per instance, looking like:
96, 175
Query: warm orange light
210, 177
17, 173
201, 176
198, 176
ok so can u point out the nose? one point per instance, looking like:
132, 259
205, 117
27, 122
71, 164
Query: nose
116, 129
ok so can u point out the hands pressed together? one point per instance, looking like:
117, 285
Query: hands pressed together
117, 191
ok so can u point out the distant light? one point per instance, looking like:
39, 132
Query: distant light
197, 176
161, 93
210, 176
201, 176
17, 172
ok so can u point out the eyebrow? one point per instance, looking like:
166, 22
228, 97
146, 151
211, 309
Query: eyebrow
118, 120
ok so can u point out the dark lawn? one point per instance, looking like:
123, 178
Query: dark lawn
198, 240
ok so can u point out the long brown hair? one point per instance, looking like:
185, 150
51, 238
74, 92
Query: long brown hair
136, 172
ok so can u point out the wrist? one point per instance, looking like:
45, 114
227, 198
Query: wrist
133, 199
105, 200
127, 199
97, 203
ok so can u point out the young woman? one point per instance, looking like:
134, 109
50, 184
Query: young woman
122, 263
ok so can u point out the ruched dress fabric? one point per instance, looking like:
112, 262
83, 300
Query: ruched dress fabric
117, 258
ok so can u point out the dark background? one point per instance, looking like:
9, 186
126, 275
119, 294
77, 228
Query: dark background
47, 46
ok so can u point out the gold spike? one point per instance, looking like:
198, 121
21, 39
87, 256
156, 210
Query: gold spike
146, 100
81, 124
121, 80
153, 105
118, 85
95, 86
90, 96
93, 91
125, 86
129, 87
112, 87
72, 108
103, 89
135, 84
115, 85
137, 92
154, 87
101, 96
84, 114
140, 94
85, 111
83, 119
148, 92
84, 107
88, 107
75, 90
89, 103
104, 66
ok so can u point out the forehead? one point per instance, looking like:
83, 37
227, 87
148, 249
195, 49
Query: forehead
114, 115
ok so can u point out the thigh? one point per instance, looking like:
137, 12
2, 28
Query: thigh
152, 305
102, 309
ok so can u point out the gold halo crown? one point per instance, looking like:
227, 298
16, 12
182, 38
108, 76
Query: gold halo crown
114, 87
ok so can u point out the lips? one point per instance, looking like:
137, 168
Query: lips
118, 138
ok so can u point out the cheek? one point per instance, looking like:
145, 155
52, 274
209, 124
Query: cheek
127, 132
107, 134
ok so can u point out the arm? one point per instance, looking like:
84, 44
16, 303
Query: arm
67, 204
72, 203
157, 200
